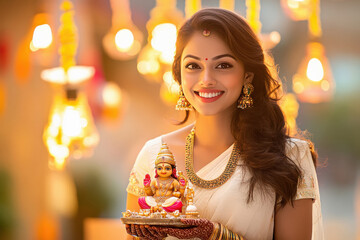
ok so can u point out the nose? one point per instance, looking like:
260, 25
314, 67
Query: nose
207, 78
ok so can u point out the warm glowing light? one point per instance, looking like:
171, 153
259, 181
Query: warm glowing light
270, 40
111, 95
157, 56
298, 87
192, 6
169, 90
124, 39
167, 57
313, 81
148, 67
297, 9
325, 85
315, 71
275, 37
42, 36
164, 37
75, 75
253, 15
70, 122
290, 107
32, 47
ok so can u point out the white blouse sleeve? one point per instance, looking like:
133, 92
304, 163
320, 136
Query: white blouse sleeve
301, 155
308, 186
142, 166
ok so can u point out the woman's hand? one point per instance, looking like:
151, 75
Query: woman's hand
202, 228
144, 232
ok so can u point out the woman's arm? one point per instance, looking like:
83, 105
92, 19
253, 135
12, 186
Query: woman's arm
294, 222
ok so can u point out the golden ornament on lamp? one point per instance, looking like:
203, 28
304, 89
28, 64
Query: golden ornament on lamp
297, 10
71, 131
313, 81
124, 39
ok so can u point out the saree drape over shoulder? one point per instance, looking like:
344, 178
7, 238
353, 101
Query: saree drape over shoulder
227, 204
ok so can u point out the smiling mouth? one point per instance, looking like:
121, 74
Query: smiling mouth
209, 96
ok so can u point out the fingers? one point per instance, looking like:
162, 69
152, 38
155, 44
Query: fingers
146, 233
128, 229
138, 231
157, 232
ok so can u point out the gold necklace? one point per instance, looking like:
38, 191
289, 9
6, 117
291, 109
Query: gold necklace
195, 179
163, 186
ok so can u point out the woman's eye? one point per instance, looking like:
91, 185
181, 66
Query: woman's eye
223, 66
159, 168
168, 169
192, 66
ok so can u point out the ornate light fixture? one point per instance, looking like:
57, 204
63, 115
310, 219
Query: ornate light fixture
70, 131
124, 39
313, 81
157, 56
155, 59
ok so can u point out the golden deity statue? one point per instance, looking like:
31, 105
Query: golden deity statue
165, 192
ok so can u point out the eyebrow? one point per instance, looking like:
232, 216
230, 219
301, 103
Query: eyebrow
214, 58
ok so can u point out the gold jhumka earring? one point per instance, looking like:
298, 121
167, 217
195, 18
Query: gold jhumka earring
182, 103
246, 101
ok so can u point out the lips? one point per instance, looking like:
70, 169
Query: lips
209, 95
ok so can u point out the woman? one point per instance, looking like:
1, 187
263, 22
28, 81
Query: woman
251, 180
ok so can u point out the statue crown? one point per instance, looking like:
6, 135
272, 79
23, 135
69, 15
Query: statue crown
165, 156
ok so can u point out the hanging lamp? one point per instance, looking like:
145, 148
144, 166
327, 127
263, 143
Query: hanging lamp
70, 132
313, 81
157, 56
124, 40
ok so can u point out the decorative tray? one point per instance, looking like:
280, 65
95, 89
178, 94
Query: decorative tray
168, 222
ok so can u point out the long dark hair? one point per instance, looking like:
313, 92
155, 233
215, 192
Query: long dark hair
260, 131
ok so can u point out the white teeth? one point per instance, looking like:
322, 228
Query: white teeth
209, 95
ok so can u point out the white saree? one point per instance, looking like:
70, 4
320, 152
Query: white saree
227, 204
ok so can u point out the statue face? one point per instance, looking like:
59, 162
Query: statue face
164, 170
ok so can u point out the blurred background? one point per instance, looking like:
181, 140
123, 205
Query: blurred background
84, 84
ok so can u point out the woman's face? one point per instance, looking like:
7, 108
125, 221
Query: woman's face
164, 170
211, 77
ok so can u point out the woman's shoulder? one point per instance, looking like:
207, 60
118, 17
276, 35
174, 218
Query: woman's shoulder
171, 138
297, 148
177, 137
